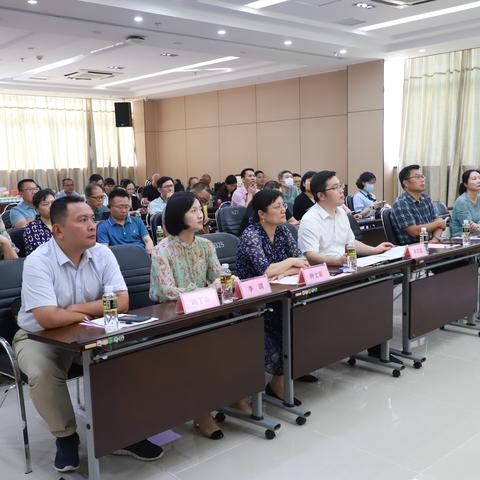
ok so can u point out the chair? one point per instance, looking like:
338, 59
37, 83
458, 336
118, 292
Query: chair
135, 266
349, 202
391, 236
16, 234
293, 230
229, 219
10, 290
9, 206
156, 221
355, 228
226, 246
6, 218
441, 209
105, 215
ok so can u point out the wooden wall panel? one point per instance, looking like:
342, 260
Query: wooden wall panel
365, 86
238, 148
237, 105
278, 100
202, 152
172, 154
201, 110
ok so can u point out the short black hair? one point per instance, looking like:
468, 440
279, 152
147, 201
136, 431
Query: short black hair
67, 180
466, 175
118, 192
245, 170
272, 185
164, 179
89, 189
41, 195
190, 181
177, 206
95, 177
59, 208
364, 178
200, 187
231, 180
405, 173
259, 171
262, 200
318, 183
296, 175
305, 177
178, 185
283, 172
109, 181
25, 180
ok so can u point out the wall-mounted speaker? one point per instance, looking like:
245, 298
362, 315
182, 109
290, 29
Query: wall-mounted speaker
123, 114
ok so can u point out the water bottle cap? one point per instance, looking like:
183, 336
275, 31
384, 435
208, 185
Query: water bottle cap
466, 222
225, 265
108, 289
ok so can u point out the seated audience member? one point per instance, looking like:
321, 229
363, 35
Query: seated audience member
178, 185
467, 205
243, 195
206, 179
204, 195
24, 212
226, 190
68, 189
39, 231
109, 185
8, 250
120, 228
305, 200
413, 209
364, 201
183, 262
63, 282
94, 196
98, 179
191, 182
165, 187
289, 190
133, 200
297, 181
150, 192
268, 248
325, 229
260, 179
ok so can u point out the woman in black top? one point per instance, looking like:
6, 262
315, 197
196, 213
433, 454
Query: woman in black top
226, 190
305, 200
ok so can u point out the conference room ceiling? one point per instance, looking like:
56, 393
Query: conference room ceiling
97, 48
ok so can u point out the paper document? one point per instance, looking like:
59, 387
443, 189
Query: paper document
290, 280
392, 254
99, 322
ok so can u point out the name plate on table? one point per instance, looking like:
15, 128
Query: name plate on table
200, 299
416, 250
312, 275
253, 287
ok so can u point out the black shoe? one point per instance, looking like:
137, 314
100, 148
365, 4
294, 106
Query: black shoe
307, 379
271, 393
143, 450
66, 458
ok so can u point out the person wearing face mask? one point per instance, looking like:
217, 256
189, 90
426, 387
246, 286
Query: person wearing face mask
364, 201
289, 190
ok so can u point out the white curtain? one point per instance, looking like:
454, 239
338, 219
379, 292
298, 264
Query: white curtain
50, 138
441, 115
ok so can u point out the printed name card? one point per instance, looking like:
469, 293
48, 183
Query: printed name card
253, 287
416, 250
200, 299
311, 275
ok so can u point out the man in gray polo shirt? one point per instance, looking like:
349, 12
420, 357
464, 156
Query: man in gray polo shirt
63, 282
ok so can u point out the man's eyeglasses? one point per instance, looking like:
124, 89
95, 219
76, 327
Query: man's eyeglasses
120, 207
33, 189
98, 197
339, 186
416, 177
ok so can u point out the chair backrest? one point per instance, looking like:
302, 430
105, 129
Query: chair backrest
6, 218
16, 234
293, 230
440, 209
226, 246
349, 202
10, 290
135, 266
155, 221
355, 227
9, 206
390, 234
105, 215
229, 219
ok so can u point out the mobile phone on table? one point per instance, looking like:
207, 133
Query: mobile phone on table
134, 318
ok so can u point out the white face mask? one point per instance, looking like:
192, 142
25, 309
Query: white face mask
288, 182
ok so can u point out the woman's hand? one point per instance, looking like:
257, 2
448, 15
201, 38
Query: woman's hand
299, 263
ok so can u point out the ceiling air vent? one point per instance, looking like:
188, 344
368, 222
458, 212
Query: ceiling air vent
403, 3
89, 75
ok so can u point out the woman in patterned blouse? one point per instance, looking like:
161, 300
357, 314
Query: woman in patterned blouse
268, 247
39, 231
183, 262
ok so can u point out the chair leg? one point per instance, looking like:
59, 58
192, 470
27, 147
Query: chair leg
21, 401
79, 400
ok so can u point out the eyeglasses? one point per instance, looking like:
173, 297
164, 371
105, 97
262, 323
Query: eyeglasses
280, 206
416, 177
339, 186
120, 207
98, 197
33, 189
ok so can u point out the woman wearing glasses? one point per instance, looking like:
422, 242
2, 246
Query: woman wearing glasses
94, 196
268, 248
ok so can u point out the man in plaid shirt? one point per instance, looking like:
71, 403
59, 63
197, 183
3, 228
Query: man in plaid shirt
413, 209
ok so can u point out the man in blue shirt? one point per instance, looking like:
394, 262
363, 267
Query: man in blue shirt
68, 189
166, 188
120, 228
24, 212
413, 209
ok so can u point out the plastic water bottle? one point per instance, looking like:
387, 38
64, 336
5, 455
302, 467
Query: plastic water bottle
351, 253
466, 233
226, 281
424, 236
159, 234
110, 310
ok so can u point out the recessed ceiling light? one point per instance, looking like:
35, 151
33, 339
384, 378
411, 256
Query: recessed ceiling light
138, 18
422, 50
221, 32
115, 67
169, 54
287, 43
365, 5
263, 3
32, 2
342, 51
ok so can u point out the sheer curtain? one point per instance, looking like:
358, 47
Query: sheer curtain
441, 114
50, 138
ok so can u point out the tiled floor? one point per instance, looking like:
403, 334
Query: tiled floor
365, 425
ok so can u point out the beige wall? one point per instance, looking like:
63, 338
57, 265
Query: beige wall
327, 121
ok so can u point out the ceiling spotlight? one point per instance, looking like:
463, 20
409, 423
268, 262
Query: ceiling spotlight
138, 18
221, 32
422, 50
287, 43
115, 67
32, 2
365, 5
342, 51
168, 54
